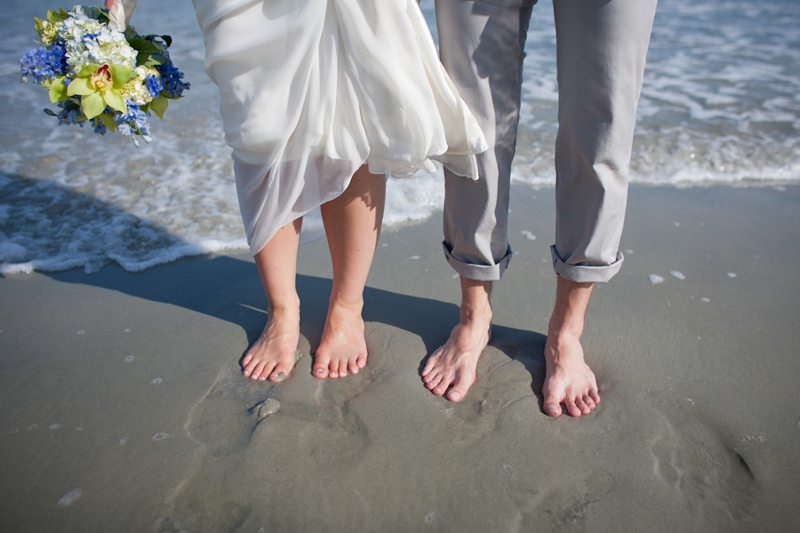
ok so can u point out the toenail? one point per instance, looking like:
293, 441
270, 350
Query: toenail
455, 396
355, 371
320, 371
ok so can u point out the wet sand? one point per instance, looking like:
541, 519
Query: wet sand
124, 408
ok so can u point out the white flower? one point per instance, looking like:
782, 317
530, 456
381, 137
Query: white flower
90, 42
136, 89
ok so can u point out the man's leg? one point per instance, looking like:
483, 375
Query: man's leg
601, 55
482, 48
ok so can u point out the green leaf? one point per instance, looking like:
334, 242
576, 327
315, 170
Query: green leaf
80, 86
38, 25
144, 48
159, 106
115, 100
57, 16
103, 17
120, 75
155, 60
92, 105
108, 120
58, 90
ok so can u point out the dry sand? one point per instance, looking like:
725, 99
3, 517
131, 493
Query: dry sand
123, 407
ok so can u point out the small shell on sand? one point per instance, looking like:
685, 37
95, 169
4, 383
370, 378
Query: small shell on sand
69, 498
677, 274
129, 358
731, 275
268, 407
528, 235
655, 279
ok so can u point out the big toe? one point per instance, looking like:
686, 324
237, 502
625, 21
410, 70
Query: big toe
552, 408
460, 388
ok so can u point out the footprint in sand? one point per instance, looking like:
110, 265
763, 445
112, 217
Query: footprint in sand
691, 459
568, 505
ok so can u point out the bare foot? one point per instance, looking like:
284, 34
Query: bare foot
568, 379
450, 371
273, 354
342, 348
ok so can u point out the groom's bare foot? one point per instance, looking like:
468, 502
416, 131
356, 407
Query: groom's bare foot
342, 348
568, 379
450, 371
272, 356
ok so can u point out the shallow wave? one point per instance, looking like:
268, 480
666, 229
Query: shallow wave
720, 105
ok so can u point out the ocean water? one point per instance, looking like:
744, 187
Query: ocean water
720, 104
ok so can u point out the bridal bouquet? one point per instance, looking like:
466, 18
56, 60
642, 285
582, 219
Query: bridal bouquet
101, 75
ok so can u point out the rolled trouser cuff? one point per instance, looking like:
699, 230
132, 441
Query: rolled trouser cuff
586, 273
478, 272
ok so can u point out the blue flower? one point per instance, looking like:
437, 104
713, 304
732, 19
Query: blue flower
44, 63
171, 80
153, 85
134, 122
99, 127
70, 111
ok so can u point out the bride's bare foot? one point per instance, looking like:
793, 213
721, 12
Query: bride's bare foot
568, 379
450, 371
342, 348
272, 356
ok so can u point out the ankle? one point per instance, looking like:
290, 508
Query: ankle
287, 308
349, 306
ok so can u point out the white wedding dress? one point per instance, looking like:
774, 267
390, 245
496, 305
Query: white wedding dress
312, 89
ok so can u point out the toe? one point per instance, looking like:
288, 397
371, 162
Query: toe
430, 364
589, 402
256, 372
443, 385
462, 384
279, 373
352, 366
430, 376
582, 407
553, 409
361, 360
321, 366
573, 409
594, 396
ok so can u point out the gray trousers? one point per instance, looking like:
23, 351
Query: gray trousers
601, 49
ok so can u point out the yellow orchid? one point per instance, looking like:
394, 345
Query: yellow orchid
98, 87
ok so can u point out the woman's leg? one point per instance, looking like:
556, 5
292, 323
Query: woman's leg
352, 224
272, 356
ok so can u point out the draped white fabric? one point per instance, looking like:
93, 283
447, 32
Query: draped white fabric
312, 89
